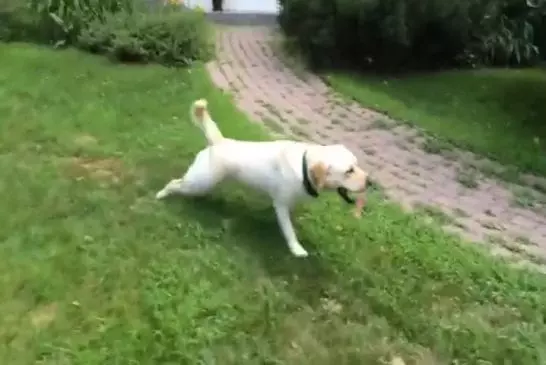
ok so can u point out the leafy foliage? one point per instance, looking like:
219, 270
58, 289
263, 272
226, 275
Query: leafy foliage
126, 30
166, 36
63, 20
396, 34
17, 22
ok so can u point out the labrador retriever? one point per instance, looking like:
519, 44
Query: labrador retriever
283, 169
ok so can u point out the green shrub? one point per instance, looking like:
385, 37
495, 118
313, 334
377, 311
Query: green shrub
17, 22
401, 34
125, 30
167, 36
61, 21
53, 21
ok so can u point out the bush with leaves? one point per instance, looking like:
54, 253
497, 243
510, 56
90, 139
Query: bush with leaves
61, 21
17, 22
412, 34
167, 35
510, 31
125, 30
53, 21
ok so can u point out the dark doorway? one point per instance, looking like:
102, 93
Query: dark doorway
217, 5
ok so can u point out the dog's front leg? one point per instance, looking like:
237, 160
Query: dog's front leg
283, 216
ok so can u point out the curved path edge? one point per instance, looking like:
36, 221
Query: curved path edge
305, 108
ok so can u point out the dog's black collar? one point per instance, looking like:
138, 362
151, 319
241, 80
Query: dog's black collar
307, 184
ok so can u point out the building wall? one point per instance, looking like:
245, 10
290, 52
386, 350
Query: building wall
245, 6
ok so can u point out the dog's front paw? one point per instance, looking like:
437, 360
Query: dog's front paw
298, 251
161, 194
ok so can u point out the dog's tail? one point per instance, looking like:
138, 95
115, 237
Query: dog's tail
201, 117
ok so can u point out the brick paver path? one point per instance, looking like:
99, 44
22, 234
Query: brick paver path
304, 107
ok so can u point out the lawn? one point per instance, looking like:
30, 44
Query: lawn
94, 270
498, 113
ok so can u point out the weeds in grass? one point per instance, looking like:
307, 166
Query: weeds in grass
435, 146
300, 132
380, 123
436, 214
468, 178
511, 246
524, 241
273, 125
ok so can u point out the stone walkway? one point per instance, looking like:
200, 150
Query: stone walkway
304, 107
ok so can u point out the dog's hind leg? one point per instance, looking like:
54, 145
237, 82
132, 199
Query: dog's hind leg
199, 179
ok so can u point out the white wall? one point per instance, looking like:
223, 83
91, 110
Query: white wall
206, 5
252, 6
245, 6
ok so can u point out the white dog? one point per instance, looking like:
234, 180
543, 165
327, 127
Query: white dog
285, 170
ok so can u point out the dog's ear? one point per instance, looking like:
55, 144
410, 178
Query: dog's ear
319, 172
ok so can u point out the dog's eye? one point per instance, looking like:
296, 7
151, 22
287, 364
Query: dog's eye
350, 171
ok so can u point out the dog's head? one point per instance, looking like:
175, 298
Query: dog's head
334, 167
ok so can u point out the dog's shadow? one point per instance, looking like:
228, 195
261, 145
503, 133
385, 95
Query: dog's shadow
255, 222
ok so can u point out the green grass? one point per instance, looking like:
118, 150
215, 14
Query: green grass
94, 270
498, 113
